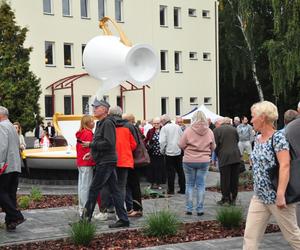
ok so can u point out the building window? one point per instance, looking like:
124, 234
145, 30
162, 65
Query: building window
119, 10
206, 56
177, 61
106, 98
84, 7
177, 17
205, 13
122, 105
101, 8
67, 105
193, 56
48, 106
85, 105
47, 6
82, 50
66, 8
178, 105
192, 12
163, 60
207, 101
49, 53
68, 47
164, 105
163, 15
194, 101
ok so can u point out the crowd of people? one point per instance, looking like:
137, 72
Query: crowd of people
109, 176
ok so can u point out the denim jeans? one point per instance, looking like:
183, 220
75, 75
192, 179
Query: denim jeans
195, 176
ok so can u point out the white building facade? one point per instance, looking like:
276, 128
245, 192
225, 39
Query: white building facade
183, 33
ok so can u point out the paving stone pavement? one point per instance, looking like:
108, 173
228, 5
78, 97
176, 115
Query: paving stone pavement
53, 223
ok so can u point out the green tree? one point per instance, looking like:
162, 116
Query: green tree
244, 27
284, 48
19, 87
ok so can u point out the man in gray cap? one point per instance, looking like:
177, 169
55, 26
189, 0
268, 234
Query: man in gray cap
10, 167
103, 151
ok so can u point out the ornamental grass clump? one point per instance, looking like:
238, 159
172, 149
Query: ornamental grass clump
230, 217
36, 194
82, 232
23, 202
162, 223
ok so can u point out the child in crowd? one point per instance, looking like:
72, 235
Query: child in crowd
85, 167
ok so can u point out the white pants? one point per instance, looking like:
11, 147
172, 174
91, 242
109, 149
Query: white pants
257, 220
245, 146
85, 177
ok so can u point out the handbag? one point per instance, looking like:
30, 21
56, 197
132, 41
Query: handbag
140, 154
292, 192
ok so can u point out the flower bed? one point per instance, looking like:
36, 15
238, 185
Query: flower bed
132, 239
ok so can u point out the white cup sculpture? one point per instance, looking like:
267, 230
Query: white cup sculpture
113, 60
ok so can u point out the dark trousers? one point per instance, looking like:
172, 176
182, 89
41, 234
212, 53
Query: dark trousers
230, 181
174, 163
105, 174
8, 196
107, 200
133, 186
156, 169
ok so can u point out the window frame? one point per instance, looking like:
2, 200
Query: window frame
193, 101
82, 50
166, 99
84, 107
206, 14
48, 108
121, 20
193, 57
179, 70
65, 98
87, 5
194, 12
51, 8
53, 54
72, 55
104, 9
70, 8
165, 8
206, 56
180, 105
179, 26
166, 60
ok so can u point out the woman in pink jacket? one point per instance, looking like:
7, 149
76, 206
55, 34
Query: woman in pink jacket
198, 144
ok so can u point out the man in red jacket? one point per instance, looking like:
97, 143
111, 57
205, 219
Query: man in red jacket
125, 145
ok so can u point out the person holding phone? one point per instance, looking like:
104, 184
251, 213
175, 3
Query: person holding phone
85, 165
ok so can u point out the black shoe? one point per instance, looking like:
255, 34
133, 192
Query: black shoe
10, 227
119, 223
223, 202
200, 214
188, 213
170, 192
181, 192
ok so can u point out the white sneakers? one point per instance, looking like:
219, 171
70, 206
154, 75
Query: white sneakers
101, 216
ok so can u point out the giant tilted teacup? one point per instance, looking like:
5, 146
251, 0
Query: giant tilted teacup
112, 60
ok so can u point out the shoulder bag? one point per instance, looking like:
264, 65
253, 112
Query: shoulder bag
292, 193
140, 154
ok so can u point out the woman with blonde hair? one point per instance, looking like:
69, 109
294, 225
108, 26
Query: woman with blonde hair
269, 145
85, 167
198, 144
